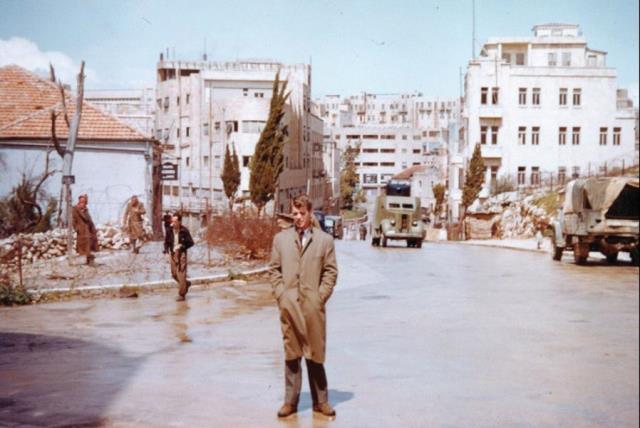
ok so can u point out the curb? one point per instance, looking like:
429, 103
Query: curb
504, 247
148, 286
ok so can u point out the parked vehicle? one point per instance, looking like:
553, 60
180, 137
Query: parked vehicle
334, 227
598, 214
319, 215
397, 216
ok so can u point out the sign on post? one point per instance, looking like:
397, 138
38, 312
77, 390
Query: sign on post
168, 171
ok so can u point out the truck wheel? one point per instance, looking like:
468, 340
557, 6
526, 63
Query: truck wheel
409, 243
612, 258
384, 241
375, 242
419, 243
635, 256
580, 253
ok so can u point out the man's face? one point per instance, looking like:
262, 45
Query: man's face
301, 217
134, 201
175, 222
83, 201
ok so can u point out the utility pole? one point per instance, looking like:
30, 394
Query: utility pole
67, 178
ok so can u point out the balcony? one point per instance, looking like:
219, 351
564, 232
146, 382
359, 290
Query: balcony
491, 151
490, 111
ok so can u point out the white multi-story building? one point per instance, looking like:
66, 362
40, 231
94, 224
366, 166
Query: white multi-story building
203, 107
393, 132
545, 108
135, 107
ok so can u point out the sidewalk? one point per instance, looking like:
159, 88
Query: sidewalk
114, 269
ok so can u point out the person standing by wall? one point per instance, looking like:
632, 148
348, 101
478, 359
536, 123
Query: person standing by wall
303, 272
87, 238
178, 242
132, 223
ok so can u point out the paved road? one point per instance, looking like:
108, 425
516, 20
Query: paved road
449, 335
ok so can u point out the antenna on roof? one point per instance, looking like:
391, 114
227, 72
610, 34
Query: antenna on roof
204, 54
473, 26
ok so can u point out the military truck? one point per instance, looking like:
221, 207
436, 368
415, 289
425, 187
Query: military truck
598, 214
397, 216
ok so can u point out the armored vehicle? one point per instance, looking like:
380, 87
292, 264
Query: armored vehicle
598, 214
397, 216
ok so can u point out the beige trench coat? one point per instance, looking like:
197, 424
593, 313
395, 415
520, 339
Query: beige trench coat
133, 221
302, 281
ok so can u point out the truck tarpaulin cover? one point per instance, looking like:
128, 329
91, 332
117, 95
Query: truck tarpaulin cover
600, 193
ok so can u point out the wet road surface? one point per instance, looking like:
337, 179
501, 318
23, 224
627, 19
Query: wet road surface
449, 335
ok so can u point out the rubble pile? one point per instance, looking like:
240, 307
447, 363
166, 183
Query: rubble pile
52, 244
507, 215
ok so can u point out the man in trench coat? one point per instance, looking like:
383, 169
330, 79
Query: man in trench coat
133, 223
179, 241
303, 272
87, 239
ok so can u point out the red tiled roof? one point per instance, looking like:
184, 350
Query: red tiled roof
26, 102
408, 173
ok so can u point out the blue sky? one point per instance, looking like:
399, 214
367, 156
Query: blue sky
377, 46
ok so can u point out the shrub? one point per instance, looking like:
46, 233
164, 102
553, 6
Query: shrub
11, 295
243, 234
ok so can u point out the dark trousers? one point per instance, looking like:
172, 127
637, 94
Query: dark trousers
293, 382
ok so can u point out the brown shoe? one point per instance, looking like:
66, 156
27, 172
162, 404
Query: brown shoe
287, 410
180, 299
325, 409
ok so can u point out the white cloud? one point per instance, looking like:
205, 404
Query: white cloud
27, 54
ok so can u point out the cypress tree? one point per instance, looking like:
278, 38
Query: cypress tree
230, 175
348, 176
474, 178
268, 158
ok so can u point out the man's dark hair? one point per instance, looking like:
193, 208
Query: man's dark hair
179, 215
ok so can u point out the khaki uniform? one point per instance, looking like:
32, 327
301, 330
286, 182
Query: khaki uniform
133, 222
87, 238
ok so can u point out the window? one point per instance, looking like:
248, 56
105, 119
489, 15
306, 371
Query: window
506, 57
187, 131
494, 135
370, 150
188, 98
258, 94
603, 136
575, 138
522, 170
245, 92
205, 129
522, 135
387, 150
246, 160
205, 161
187, 160
494, 95
483, 134
494, 177
562, 175
535, 96
519, 59
178, 100
166, 104
416, 151
522, 96
386, 164
535, 175
370, 178
562, 136
576, 96
252, 126
616, 136
552, 59
484, 93
563, 96
177, 132
566, 59
592, 60
535, 135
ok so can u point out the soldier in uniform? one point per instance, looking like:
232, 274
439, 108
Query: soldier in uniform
87, 238
132, 223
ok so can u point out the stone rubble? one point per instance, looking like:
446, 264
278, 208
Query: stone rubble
508, 215
52, 244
